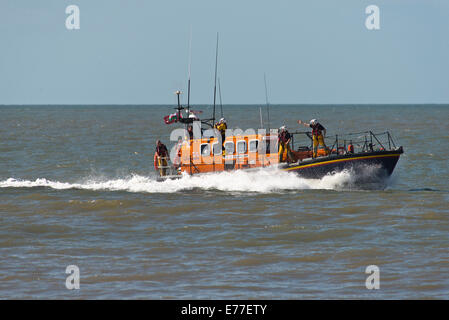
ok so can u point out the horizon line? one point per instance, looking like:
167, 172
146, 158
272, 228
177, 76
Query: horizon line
229, 104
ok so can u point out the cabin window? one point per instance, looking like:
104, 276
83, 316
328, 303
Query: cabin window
205, 149
216, 147
241, 146
229, 147
253, 145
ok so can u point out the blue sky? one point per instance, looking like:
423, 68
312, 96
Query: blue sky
136, 51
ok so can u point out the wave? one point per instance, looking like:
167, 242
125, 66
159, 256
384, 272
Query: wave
263, 181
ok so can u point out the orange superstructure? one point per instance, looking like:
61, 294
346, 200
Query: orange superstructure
240, 152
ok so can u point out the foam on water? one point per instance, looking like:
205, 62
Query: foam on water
263, 180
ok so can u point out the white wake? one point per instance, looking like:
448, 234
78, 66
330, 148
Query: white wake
263, 181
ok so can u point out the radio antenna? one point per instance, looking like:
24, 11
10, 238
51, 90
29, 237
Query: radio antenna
190, 63
266, 100
215, 86
219, 93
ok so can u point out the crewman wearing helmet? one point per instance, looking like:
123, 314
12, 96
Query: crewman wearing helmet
222, 126
318, 134
284, 138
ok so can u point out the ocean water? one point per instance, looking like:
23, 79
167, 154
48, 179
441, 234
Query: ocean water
77, 187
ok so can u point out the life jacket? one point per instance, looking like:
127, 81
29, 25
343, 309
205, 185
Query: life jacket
316, 129
221, 127
350, 148
284, 136
161, 150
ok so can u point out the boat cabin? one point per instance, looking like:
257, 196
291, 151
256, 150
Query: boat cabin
237, 152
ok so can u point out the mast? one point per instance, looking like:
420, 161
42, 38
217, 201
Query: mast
266, 100
190, 63
215, 86
179, 108
219, 93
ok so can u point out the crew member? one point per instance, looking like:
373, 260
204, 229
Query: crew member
350, 147
318, 134
177, 159
161, 157
222, 126
189, 132
284, 138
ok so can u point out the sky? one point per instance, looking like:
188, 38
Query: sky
137, 51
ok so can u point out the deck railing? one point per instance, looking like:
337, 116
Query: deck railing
169, 169
365, 141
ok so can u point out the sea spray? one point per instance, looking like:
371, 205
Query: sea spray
262, 180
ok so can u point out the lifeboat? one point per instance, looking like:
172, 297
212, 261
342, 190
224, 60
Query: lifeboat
353, 151
359, 152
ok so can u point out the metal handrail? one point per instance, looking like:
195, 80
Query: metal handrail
365, 140
168, 166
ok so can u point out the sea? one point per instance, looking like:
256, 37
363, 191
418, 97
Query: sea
80, 204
